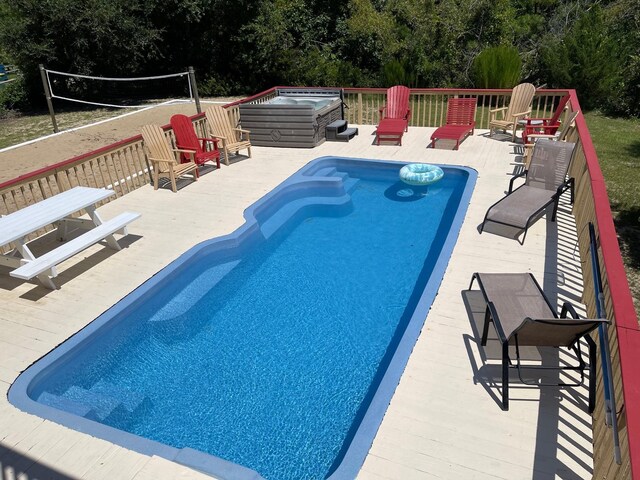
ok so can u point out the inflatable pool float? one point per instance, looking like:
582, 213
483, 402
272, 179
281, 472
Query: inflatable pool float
420, 174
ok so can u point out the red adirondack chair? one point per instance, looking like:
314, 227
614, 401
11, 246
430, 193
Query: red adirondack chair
546, 126
397, 107
186, 139
460, 122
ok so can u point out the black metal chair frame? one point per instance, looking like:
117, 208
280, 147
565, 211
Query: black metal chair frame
491, 316
555, 199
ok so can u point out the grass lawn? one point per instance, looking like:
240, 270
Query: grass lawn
617, 143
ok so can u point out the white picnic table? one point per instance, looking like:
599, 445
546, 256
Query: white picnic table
58, 210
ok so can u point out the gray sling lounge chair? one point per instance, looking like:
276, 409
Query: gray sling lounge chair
523, 316
545, 182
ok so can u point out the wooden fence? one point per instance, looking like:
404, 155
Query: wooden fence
123, 167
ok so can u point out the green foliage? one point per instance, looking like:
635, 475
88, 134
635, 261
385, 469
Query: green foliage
13, 96
585, 58
497, 67
214, 86
624, 28
244, 46
97, 36
399, 73
629, 101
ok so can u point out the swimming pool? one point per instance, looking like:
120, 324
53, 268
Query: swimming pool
275, 349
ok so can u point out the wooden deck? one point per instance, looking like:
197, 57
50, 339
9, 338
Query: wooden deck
444, 420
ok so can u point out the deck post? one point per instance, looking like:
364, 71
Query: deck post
47, 94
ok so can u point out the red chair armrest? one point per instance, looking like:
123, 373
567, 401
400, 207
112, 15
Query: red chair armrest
545, 121
546, 129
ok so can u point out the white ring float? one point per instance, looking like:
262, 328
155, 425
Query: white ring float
420, 174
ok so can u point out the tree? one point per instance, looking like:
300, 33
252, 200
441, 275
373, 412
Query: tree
585, 58
242, 46
98, 37
497, 67
624, 22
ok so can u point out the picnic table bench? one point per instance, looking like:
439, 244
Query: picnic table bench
58, 210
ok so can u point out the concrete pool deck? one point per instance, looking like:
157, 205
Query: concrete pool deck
444, 420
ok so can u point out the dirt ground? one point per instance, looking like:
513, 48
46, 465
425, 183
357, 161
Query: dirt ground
48, 151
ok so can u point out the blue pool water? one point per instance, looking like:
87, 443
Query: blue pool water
276, 348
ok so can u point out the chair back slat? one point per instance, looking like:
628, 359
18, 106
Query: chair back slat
185, 135
397, 102
461, 111
220, 123
555, 119
158, 146
521, 99
568, 125
550, 162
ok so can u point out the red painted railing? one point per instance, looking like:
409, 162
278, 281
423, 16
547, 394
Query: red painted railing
627, 329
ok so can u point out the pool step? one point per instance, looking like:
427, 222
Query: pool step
130, 400
179, 306
104, 402
102, 405
350, 184
289, 210
333, 173
325, 172
131, 404
67, 405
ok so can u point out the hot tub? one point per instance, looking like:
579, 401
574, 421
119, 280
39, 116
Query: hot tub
294, 118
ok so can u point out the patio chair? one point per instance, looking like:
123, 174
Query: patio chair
397, 107
568, 125
545, 181
523, 316
233, 139
547, 126
187, 139
164, 158
460, 123
519, 107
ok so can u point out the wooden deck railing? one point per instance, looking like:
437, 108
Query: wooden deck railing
429, 106
592, 206
123, 167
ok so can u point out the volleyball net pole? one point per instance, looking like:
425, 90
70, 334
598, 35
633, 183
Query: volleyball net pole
194, 89
49, 95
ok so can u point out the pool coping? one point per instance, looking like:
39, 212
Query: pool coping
354, 455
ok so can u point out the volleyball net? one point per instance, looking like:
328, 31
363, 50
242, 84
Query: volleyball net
120, 92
